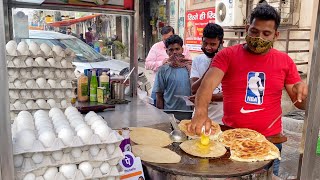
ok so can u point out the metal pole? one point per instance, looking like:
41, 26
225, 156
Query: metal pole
287, 40
134, 27
6, 156
313, 113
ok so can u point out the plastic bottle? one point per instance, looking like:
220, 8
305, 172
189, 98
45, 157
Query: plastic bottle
105, 82
83, 88
125, 144
93, 87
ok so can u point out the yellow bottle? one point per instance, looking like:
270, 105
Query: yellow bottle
83, 88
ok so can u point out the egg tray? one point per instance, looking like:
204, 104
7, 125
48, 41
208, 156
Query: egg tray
30, 96
30, 76
36, 87
115, 171
51, 54
47, 106
11, 65
29, 165
114, 137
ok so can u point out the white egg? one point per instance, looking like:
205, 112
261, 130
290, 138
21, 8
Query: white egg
86, 168
30, 104
64, 63
11, 48
29, 61
24, 94
17, 104
68, 170
47, 93
52, 83
29, 176
64, 104
47, 138
40, 113
13, 94
69, 110
12, 72
50, 173
64, 83
23, 48
34, 48
46, 72
23, 72
97, 123
37, 158
57, 72
26, 138
80, 126
45, 49
42, 103
41, 61
51, 102
110, 178
103, 132
18, 160
52, 62
111, 148
54, 111
62, 75
105, 168
85, 134
17, 83
30, 83
68, 93
76, 152
25, 114
57, 155
66, 135
35, 72
58, 93
89, 115
70, 73
41, 82
36, 93
94, 150
16, 62
58, 50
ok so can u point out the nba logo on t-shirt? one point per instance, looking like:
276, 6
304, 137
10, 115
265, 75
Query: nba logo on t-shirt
255, 88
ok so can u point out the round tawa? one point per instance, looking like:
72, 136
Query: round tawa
155, 154
212, 150
150, 136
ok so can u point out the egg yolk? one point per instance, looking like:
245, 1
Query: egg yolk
204, 140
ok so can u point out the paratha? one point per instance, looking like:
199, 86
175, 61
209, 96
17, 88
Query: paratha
253, 150
227, 137
149, 136
215, 130
155, 154
195, 148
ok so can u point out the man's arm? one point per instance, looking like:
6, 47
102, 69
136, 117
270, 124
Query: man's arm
298, 92
152, 63
195, 84
160, 100
210, 81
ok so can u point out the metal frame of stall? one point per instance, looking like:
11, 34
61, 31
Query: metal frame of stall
6, 152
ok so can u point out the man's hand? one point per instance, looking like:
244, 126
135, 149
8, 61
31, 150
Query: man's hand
198, 122
301, 91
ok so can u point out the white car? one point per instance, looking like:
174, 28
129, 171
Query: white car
86, 56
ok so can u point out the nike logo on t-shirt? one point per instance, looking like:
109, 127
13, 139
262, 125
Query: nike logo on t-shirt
243, 111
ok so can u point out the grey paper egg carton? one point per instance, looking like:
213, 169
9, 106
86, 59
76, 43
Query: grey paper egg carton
28, 164
114, 171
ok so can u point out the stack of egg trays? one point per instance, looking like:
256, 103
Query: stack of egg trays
17, 62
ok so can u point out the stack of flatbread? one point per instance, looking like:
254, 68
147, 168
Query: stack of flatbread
215, 130
247, 145
150, 145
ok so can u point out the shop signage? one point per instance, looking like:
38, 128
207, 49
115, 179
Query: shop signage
110, 4
132, 167
195, 22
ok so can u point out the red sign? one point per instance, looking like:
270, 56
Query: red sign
195, 22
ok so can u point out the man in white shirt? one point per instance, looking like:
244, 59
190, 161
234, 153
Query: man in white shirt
211, 41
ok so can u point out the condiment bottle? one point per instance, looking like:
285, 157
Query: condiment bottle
83, 88
93, 87
105, 82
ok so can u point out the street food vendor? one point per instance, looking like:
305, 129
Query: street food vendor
253, 76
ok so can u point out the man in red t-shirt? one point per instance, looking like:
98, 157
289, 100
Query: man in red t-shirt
253, 76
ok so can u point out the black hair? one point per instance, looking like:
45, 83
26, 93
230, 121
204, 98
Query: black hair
166, 30
174, 39
69, 28
265, 12
212, 30
89, 28
81, 34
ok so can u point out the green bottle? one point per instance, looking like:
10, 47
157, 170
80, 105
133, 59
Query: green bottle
318, 147
93, 87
